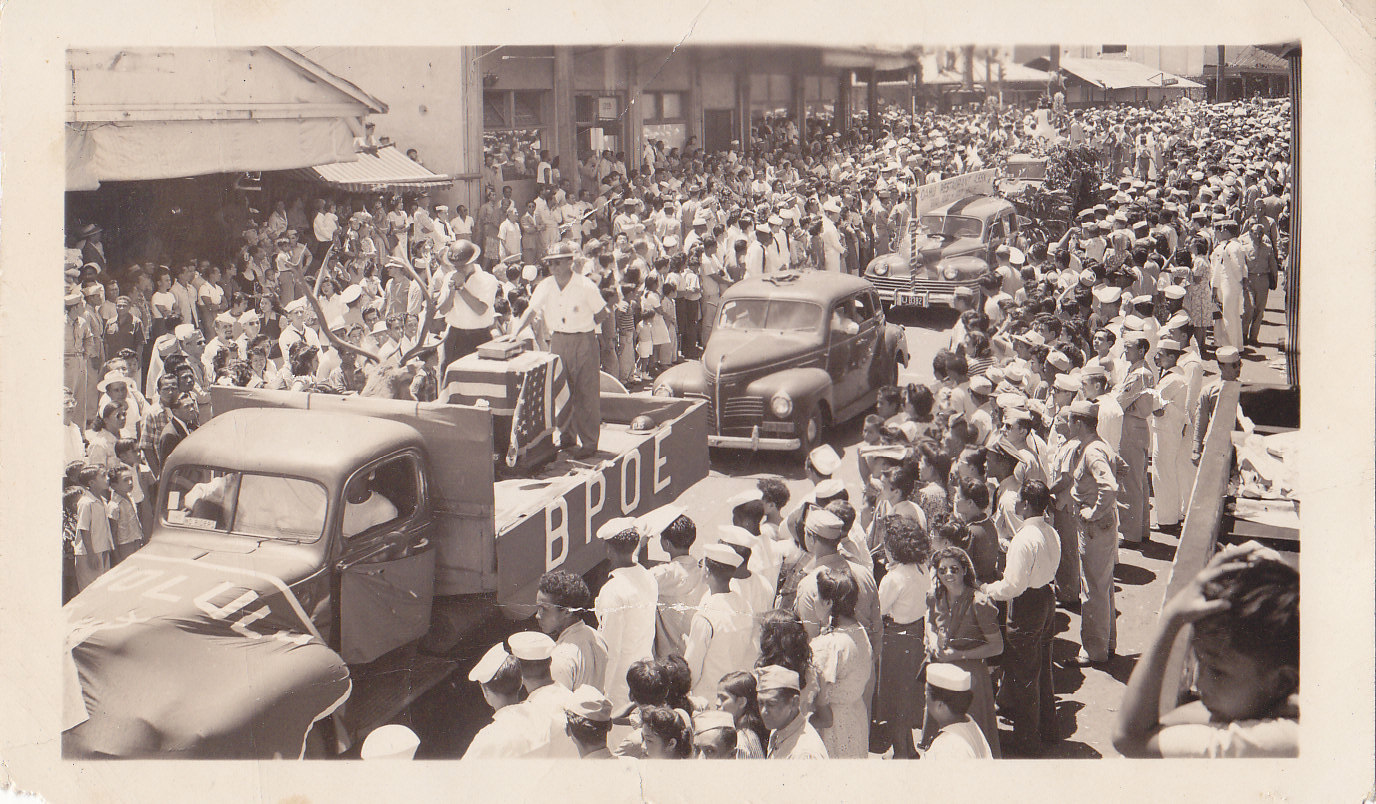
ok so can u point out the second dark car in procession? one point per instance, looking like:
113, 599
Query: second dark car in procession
791, 354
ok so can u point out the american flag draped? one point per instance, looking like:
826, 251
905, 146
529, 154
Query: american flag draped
541, 408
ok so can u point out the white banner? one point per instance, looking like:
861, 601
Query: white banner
931, 196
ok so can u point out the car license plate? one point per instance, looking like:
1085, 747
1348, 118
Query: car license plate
912, 299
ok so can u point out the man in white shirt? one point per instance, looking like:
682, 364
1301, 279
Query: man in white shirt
719, 638
572, 309
365, 507
755, 253
465, 296
1033, 557
831, 236
1228, 272
514, 731
545, 699
1110, 422
625, 607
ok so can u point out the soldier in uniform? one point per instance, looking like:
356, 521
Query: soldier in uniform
589, 721
1136, 399
1229, 369
513, 733
1094, 486
1170, 468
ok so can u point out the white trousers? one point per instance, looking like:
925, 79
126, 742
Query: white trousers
1172, 473
1229, 331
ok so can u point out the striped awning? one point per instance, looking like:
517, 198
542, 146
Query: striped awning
388, 169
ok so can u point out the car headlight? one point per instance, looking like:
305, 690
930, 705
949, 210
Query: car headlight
663, 390
949, 272
781, 405
880, 269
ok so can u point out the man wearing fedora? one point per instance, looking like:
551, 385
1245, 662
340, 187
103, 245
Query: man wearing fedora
465, 297
572, 309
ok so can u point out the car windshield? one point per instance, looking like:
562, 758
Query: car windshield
1030, 169
773, 314
262, 506
953, 225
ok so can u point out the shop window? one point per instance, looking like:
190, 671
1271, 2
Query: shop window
514, 131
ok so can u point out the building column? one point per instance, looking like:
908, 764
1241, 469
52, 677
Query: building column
841, 110
565, 135
743, 109
798, 83
694, 99
872, 102
635, 117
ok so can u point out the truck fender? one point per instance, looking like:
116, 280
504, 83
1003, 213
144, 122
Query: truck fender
805, 385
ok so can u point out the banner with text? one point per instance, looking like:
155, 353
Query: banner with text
941, 193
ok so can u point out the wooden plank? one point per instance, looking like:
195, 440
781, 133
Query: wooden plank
1199, 533
1259, 530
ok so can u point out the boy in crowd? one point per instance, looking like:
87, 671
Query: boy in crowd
1244, 612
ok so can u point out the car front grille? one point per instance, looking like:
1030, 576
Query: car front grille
737, 412
906, 284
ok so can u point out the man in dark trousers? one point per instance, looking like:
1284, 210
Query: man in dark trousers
1033, 556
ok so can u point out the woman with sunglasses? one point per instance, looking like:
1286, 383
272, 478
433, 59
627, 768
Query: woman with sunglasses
963, 629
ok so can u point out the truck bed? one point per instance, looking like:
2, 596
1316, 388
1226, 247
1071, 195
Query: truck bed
519, 497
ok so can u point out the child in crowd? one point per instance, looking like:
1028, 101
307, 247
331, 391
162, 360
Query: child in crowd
95, 544
124, 519
1244, 611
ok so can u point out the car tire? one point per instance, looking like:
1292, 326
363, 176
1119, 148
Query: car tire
810, 434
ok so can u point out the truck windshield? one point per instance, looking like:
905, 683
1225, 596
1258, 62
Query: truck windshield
785, 316
263, 506
953, 225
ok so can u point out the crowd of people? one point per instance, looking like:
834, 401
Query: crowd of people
1069, 409
827, 629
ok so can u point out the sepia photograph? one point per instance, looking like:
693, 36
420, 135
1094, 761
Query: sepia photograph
616, 401
932, 394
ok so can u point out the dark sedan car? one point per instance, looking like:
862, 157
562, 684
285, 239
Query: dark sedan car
790, 354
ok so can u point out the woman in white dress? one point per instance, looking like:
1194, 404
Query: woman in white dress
844, 662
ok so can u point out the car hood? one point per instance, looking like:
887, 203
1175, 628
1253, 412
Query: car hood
732, 351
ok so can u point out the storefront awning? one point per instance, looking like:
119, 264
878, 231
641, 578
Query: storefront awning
870, 57
388, 169
158, 113
1117, 74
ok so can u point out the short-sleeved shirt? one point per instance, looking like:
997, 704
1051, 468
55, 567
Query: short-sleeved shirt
93, 519
580, 657
961, 740
120, 511
903, 593
570, 309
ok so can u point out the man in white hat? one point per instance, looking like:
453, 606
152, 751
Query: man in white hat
1092, 478
625, 606
832, 248
298, 314
250, 325
720, 638
791, 736
1229, 369
1094, 387
1172, 474
948, 705
224, 328
589, 721
1137, 401
1228, 275
393, 741
515, 731
754, 262
580, 653
572, 309
545, 698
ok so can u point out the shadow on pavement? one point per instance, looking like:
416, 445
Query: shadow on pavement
1133, 575
1157, 550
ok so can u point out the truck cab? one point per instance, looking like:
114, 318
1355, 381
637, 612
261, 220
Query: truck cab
335, 505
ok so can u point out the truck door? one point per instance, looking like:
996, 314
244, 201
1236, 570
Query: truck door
385, 577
